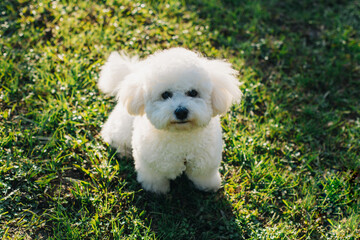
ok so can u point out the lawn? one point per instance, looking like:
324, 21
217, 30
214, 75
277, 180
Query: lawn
291, 160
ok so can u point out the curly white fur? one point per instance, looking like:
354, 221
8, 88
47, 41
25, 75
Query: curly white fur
167, 115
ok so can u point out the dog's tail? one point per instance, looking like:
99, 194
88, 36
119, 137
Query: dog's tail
116, 68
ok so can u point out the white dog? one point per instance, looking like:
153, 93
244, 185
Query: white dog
167, 115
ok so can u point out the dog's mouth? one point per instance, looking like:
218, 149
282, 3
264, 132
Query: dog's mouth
185, 125
180, 122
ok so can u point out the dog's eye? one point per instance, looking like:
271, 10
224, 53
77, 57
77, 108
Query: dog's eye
166, 95
192, 93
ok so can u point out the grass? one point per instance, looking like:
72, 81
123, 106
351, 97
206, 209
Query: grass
291, 165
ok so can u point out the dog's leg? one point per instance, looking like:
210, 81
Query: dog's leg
205, 180
152, 181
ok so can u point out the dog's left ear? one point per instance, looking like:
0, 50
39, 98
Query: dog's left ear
225, 85
131, 94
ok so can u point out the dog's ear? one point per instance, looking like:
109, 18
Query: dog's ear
131, 94
225, 85
114, 71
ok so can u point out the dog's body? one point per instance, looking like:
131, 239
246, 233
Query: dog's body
167, 115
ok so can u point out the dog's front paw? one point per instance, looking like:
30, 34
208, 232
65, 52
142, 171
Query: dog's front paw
154, 183
207, 182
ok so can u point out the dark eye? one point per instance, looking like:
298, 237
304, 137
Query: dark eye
166, 95
192, 93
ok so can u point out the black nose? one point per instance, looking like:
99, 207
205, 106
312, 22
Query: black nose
181, 113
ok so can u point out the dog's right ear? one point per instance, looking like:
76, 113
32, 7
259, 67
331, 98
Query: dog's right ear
114, 71
225, 85
131, 94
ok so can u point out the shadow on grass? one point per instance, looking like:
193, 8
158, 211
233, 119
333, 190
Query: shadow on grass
185, 212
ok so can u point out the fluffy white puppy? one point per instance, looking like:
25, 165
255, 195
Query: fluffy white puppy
167, 116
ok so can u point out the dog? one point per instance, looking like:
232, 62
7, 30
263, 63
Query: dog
167, 115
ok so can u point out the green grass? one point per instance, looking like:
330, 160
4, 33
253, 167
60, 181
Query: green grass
291, 165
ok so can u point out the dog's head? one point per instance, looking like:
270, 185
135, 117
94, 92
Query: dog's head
178, 89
